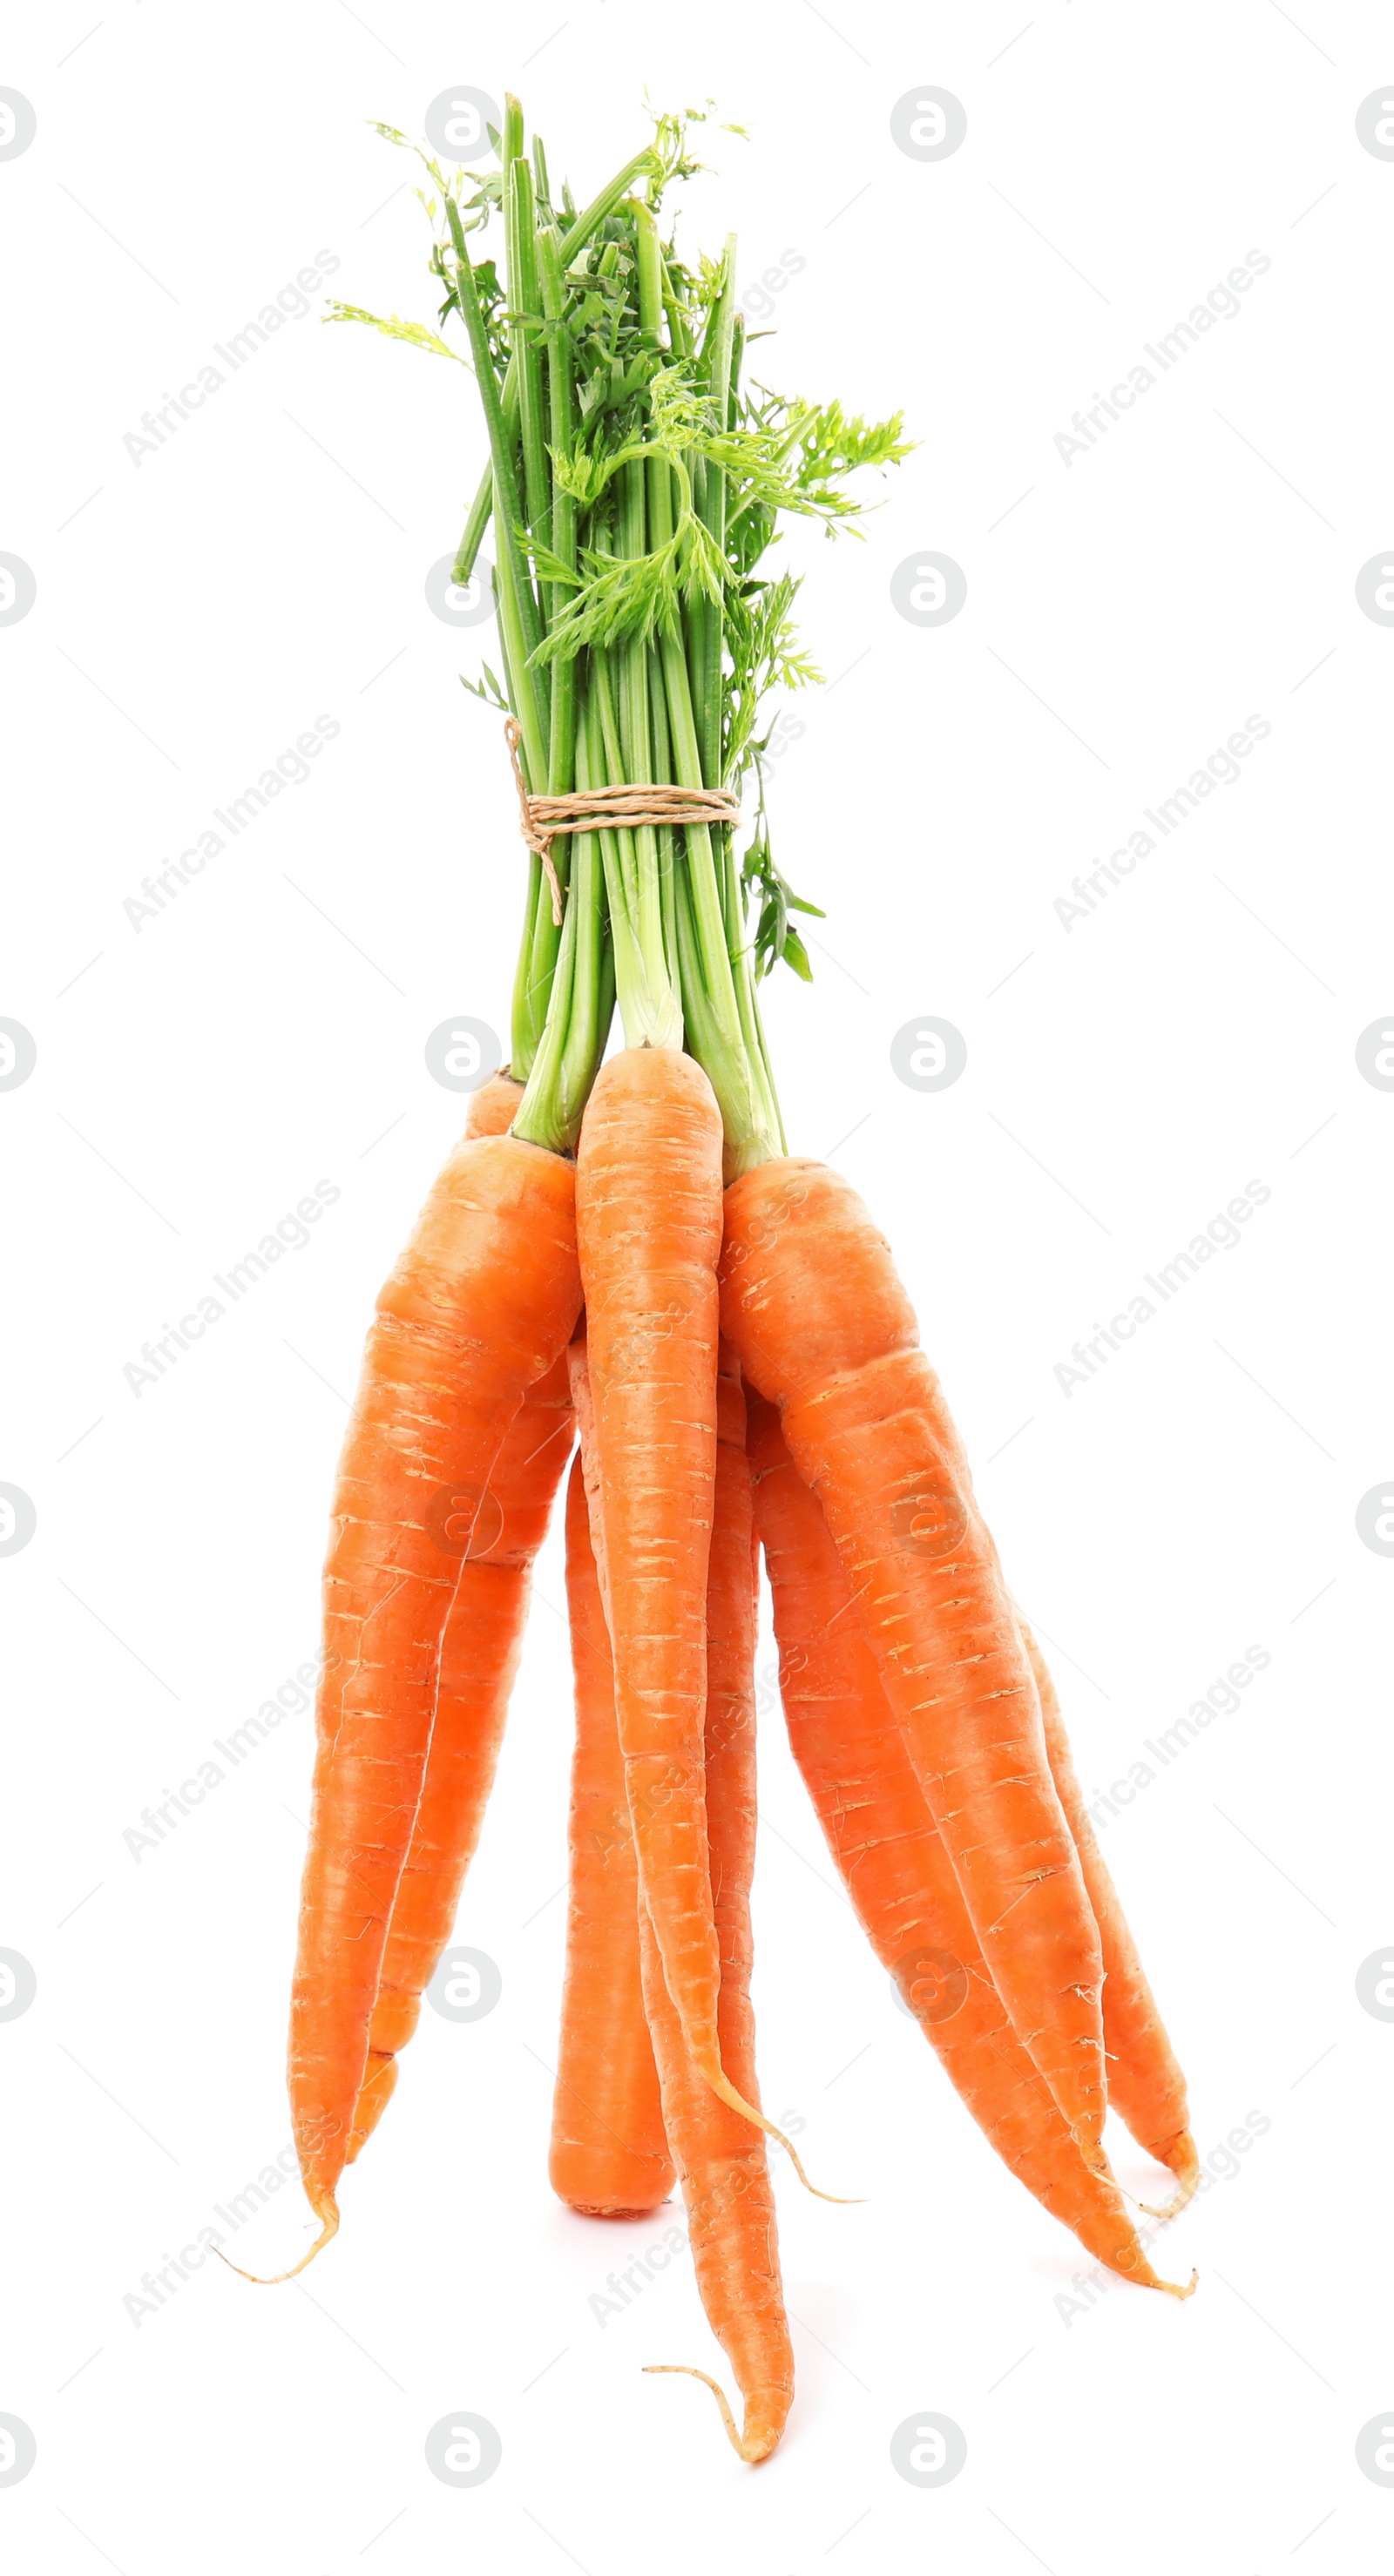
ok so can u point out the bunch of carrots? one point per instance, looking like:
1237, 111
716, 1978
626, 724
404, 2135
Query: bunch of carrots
622, 1260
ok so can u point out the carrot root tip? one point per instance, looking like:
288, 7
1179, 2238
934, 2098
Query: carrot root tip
725, 2089
752, 2447
1179, 2155
327, 2212
839, 2199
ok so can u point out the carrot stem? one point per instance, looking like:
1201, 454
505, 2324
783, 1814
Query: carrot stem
723, 1051
719, 353
644, 975
575, 235
561, 387
578, 1018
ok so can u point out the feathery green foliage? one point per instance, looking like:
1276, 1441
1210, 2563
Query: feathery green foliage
415, 334
636, 487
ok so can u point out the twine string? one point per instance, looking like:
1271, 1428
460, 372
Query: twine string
589, 809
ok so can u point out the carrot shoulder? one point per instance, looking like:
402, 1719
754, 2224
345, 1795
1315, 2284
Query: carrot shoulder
494, 1105
822, 1326
479, 1306
897, 1872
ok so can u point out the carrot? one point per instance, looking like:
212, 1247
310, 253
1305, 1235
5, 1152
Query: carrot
493, 1106
894, 1864
479, 1306
724, 2170
822, 1326
648, 1223
1145, 2082
479, 1657
479, 1654
609, 2155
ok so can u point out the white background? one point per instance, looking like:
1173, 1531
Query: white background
1125, 1078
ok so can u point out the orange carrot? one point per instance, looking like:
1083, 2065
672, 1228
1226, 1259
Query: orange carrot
893, 1861
479, 1657
493, 1106
824, 1329
1145, 2082
609, 2156
724, 2171
478, 1660
480, 1305
648, 1221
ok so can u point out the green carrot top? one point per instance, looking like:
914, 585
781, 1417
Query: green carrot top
635, 484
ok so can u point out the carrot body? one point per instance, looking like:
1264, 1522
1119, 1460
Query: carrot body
811, 1301
648, 1219
480, 1305
1145, 2082
478, 1660
897, 1872
609, 2155
479, 1655
723, 2167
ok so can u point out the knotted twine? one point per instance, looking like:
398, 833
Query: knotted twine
589, 809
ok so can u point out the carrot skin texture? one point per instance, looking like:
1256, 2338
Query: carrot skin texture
723, 2167
479, 1657
480, 1305
811, 1301
893, 1862
609, 2154
478, 1661
648, 1219
1145, 2082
